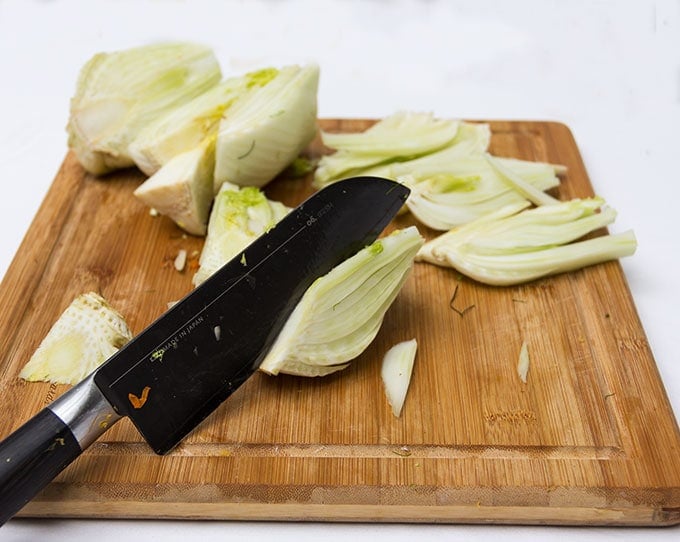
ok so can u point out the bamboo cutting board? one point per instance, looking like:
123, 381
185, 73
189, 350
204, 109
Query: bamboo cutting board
589, 439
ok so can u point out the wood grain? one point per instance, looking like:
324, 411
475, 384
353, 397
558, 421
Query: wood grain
589, 439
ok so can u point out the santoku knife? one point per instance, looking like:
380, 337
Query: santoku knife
179, 369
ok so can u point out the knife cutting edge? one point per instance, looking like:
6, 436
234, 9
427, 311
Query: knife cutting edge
185, 364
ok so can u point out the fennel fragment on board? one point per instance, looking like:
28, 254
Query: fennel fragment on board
515, 245
523, 362
86, 334
341, 313
119, 93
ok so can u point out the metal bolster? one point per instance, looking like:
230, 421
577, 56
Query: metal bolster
86, 411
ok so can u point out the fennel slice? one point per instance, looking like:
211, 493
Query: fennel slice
396, 371
402, 136
86, 334
182, 188
430, 252
509, 247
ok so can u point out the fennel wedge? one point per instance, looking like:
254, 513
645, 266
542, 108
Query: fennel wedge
341, 312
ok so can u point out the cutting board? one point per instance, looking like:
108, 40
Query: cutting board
590, 438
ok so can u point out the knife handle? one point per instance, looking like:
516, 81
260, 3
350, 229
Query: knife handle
32, 456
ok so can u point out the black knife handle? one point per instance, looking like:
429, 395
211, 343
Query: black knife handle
45, 445
31, 457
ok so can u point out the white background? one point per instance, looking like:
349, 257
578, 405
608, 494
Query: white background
608, 69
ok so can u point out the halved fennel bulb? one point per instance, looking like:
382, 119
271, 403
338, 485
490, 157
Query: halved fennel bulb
513, 245
182, 189
396, 370
341, 312
267, 129
87, 333
187, 126
239, 216
120, 93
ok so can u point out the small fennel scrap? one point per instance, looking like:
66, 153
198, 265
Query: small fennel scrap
87, 333
396, 370
523, 362
341, 312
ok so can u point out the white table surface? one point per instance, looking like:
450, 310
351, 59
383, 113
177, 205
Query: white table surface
609, 69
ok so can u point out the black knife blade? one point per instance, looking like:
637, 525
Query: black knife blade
184, 365
209, 343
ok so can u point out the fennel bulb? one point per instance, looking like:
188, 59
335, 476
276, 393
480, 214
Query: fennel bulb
183, 128
268, 128
512, 245
87, 333
238, 217
341, 313
182, 188
119, 93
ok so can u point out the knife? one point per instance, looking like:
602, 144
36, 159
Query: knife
185, 364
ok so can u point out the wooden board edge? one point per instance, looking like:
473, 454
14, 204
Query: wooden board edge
641, 516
